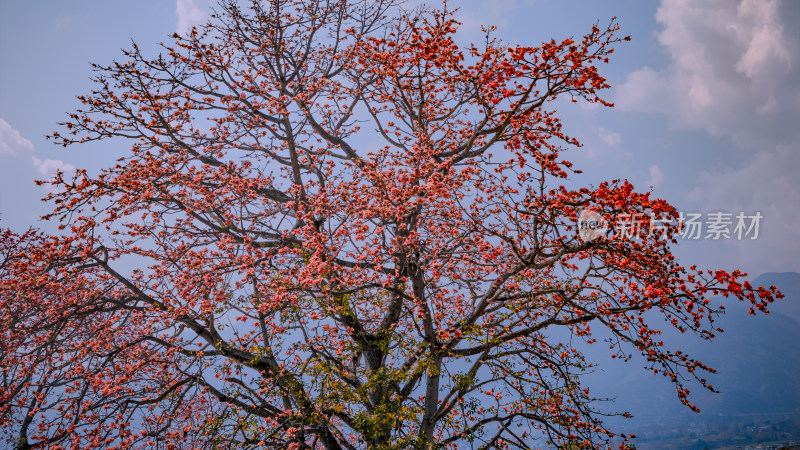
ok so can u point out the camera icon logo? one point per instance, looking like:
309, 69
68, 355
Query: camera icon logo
591, 225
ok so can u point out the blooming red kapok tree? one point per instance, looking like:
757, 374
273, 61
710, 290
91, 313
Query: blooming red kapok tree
347, 231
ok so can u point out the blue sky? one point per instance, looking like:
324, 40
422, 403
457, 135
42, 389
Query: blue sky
707, 95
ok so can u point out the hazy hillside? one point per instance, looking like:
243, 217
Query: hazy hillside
758, 365
789, 283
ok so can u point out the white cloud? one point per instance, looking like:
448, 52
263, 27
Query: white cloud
475, 14
767, 45
609, 137
11, 141
189, 15
586, 106
47, 169
733, 72
644, 90
656, 176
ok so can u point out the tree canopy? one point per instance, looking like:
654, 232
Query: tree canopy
348, 231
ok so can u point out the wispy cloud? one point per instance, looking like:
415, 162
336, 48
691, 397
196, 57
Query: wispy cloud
656, 176
474, 15
189, 15
11, 141
47, 169
586, 106
62, 22
611, 138
766, 184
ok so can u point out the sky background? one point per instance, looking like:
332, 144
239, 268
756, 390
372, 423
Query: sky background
707, 98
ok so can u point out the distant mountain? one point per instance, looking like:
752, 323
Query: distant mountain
789, 284
758, 358
758, 363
